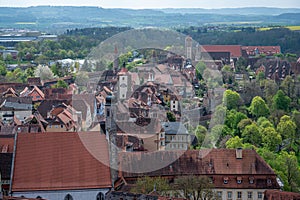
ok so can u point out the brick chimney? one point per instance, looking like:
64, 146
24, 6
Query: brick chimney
239, 153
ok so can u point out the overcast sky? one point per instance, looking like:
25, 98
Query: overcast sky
136, 4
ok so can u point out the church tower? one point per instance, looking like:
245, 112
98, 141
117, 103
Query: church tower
189, 47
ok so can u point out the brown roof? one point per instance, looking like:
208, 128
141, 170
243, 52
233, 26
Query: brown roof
196, 162
35, 88
7, 143
281, 195
268, 50
57, 161
235, 50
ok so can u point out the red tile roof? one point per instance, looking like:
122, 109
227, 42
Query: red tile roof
281, 195
235, 50
218, 163
7, 144
268, 50
57, 161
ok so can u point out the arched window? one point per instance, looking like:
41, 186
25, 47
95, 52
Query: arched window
100, 196
68, 197
39, 197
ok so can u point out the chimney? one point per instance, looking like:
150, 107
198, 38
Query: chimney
239, 153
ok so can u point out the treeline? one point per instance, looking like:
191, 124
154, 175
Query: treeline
73, 44
288, 40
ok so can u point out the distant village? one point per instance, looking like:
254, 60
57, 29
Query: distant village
97, 139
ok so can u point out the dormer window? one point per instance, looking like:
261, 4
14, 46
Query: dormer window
239, 180
269, 181
225, 180
251, 180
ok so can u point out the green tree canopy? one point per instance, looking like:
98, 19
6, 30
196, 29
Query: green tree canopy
235, 142
286, 127
281, 101
270, 138
60, 84
258, 107
200, 133
231, 99
251, 134
171, 116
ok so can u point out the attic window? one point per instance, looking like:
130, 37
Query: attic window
239, 180
225, 180
251, 180
269, 181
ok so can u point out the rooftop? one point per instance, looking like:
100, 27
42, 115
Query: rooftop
57, 161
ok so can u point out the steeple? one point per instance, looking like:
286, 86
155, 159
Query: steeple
116, 58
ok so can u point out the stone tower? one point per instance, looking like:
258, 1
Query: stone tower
111, 132
189, 47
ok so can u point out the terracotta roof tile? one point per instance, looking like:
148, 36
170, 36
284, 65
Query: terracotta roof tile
235, 50
196, 162
56, 161
281, 195
7, 142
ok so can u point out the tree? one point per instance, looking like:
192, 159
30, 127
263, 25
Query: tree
171, 117
288, 86
43, 72
251, 134
235, 142
3, 70
289, 171
233, 118
281, 101
242, 125
270, 90
287, 128
219, 115
60, 84
285, 166
200, 67
200, 133
195, 188
263, 122
270, 138
145, 185
218, 132
231, 99
258, 107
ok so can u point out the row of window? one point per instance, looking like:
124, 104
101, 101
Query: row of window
239, 195
239, 180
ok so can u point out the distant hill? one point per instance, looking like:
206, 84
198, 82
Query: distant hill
230, 11
57, 19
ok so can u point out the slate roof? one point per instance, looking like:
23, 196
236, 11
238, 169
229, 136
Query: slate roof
174, 128
59, 161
